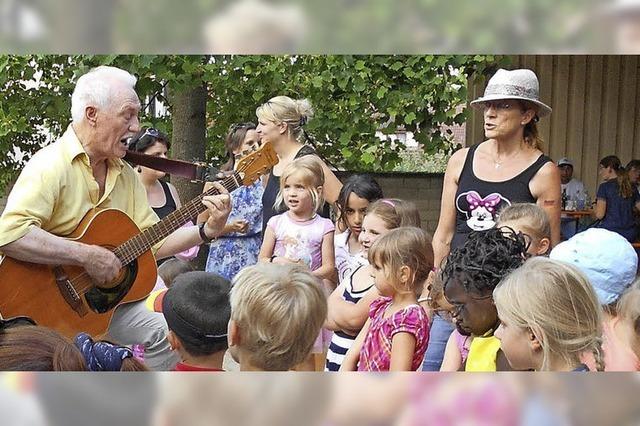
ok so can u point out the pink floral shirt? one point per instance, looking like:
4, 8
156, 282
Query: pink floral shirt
376, 349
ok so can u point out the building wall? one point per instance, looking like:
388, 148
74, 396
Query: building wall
595, 109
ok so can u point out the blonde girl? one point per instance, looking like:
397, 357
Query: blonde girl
300, 235
533, 222
395, 336
628, 329
549, 317
281, 121
349, 302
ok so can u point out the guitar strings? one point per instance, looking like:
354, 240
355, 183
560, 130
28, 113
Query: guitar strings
193, 208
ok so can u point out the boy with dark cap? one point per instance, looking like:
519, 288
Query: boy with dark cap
197, 311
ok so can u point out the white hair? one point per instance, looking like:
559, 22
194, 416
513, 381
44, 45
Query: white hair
95, 88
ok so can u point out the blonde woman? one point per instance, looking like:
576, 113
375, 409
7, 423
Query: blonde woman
549, 317
281, 121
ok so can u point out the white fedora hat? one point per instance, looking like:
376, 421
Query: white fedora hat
516, 84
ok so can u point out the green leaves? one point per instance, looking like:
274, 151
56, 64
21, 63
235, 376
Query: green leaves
355, 98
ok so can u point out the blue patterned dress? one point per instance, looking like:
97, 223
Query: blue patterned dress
232, 252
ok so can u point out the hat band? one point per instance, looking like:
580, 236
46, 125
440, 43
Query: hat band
511, 90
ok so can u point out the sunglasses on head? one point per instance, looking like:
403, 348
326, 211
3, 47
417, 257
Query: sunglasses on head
16, 322
151, 132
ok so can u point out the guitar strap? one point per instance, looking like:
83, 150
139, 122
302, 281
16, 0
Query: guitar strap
197, 172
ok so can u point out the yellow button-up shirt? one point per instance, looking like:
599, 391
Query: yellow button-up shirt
56, 189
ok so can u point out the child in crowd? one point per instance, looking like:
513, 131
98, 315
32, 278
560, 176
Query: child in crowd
33, 348
349, 303
354, 199
300, 235
470, 274
197, 311
628, 329
395, 336
102, 355
610, 263
276, 314
532, 221
171, 268
527, 218
549, 316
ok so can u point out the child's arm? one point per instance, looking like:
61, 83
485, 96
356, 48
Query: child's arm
403, 345
327, 269
268, 245
348, 316
350, 362
452, 359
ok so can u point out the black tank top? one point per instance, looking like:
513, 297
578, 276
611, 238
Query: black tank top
273, 187
478, 202
169, 205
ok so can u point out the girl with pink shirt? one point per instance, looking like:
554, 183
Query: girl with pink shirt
396, 335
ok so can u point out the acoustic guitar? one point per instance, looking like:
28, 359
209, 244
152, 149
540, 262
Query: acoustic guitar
64, 298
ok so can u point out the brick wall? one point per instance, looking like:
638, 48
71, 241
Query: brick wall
424, 189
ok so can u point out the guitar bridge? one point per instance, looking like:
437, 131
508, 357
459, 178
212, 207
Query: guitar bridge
68, 292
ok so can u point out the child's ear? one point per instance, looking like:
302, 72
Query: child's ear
545, 244
534, 343
319, 189
405, 274
174, 342
233, 334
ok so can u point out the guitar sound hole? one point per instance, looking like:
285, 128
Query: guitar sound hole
103, 300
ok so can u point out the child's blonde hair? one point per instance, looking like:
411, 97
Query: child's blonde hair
404, 246
279, 310
395, 212
558, 304
534, 220
282, 109
628, 309
310, 169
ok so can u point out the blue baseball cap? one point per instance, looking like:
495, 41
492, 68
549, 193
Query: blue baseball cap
606, 258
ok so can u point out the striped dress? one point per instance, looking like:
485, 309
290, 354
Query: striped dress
341, 341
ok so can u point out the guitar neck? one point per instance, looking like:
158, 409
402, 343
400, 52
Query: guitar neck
141, 243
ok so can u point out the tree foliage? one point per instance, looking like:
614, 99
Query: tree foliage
353, 96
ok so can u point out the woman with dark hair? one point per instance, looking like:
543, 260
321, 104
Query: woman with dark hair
616, 199
508, 167
239, 243
35, 348
162, 196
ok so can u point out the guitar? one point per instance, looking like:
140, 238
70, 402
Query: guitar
63, 297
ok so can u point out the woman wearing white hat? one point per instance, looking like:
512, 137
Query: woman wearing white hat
508, 167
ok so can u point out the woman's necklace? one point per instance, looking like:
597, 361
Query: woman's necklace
498, 163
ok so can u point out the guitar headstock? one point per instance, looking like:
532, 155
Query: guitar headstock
259, 162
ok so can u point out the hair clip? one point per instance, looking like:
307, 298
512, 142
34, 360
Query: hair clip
389, 202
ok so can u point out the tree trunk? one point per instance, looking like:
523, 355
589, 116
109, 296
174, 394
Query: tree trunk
188, 143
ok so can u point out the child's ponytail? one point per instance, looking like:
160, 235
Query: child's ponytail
598, 354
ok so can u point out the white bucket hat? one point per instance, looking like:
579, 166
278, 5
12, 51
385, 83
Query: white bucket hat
516, 84
606, 258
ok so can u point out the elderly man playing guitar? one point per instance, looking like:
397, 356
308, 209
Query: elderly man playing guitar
63, 183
